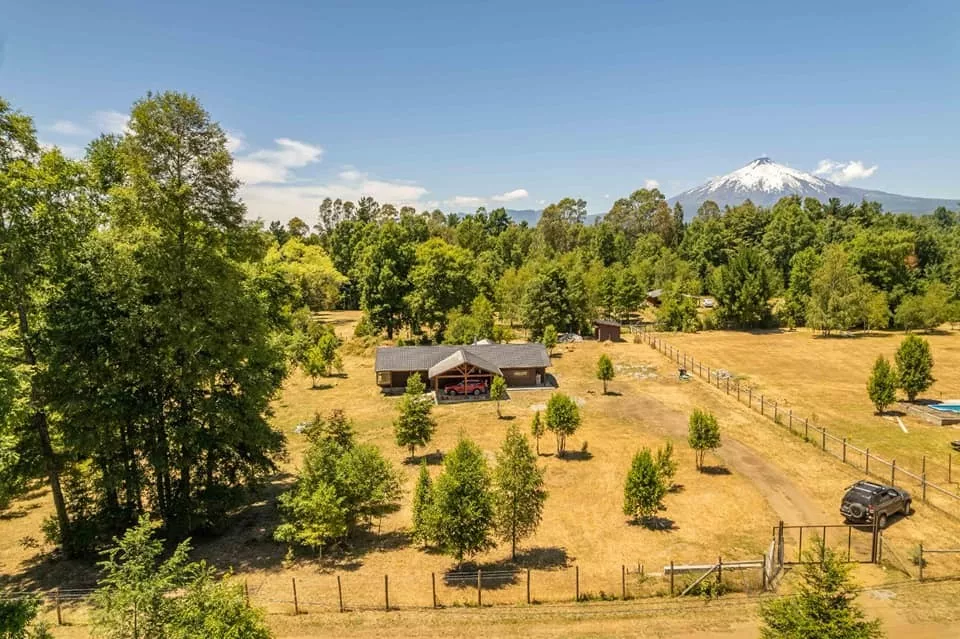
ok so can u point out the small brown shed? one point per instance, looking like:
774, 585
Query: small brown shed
606, 330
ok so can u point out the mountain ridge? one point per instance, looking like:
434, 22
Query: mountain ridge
764, 182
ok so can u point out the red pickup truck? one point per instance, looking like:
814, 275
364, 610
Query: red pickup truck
466, 388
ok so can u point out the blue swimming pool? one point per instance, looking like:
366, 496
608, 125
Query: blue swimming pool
947, 408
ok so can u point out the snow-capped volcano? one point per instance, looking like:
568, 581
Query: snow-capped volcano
763, 182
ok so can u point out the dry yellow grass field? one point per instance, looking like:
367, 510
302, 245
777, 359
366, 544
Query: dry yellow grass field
826, 378
772, 476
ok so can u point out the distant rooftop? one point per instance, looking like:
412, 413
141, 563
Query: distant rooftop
422, 358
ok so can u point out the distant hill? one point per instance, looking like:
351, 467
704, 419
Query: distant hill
763, 182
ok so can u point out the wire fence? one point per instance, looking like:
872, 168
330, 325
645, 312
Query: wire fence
943, 497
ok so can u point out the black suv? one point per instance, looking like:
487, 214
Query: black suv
866, 500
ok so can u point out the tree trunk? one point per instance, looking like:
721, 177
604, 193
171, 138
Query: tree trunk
38, 421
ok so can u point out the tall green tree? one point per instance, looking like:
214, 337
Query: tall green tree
835, 294
213, 363
422, 505
415, 425
824, 605
440, 282
882, 386
644, 489
519, 493
463, 514
703, 435
563, 419
552, 298
914, 366
383, 274
605, 371
45, 215
744, 290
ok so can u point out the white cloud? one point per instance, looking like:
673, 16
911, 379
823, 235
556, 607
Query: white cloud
466, 200
651, 184
111, 121
509, 196
844, 172
281, 202
352, 175
69, 150
274, 165
606, 196
541, 202
66, 127
236, 141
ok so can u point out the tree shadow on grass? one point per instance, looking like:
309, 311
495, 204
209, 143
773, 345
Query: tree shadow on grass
321, 387
676, 488
431, 459
715, 470
658, 524
614, 393
499, 574
577, 455
507, 418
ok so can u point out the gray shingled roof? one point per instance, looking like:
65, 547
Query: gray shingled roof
459, 357
421, 358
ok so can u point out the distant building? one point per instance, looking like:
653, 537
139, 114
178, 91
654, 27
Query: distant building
606, 330
442, 366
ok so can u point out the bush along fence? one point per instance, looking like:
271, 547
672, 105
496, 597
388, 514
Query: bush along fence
941, 497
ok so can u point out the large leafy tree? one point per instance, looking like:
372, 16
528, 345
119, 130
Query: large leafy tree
744, 290
824, 605
441, 283
193, 332
560, 224
519, 493
835, 294
790, 231
914, 366
384, 277
45, 215
550, 299
462, 514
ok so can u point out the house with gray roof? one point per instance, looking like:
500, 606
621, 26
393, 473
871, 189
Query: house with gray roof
461, 369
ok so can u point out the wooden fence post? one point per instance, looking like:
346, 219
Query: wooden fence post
738, 390
246, 593
750, 397
823, 437
719, 570
921, 562
59, 614
806, 428
623, 582
728, 386
433, 587
340, 595
844, 450
775, 411
528, 585
577, 577
763, 573
296, 603
386, 593
761, 403
893, 472
479, 588
671, 577
790, 420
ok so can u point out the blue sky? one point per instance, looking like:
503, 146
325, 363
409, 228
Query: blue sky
458, 104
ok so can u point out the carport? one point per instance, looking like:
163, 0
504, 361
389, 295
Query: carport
462, 366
